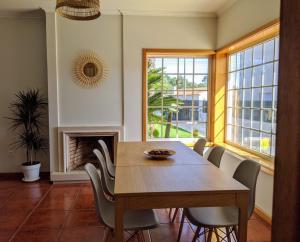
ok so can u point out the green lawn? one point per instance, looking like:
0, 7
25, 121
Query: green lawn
182, 133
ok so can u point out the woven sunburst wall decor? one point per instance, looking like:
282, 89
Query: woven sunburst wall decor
89, 70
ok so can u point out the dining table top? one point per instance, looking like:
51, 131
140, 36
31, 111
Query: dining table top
186, 172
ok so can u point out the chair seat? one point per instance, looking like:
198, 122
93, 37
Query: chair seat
134, 219
213, 216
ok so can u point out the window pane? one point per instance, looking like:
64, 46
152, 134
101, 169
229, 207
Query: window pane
169, 99
230, 99
181, 65
273, 145
170, 82
200, 82
185, 114
246, 117
229, 133
257, 54
239, 79
276, 48
247, 78
188, 81
240, 60
154, 131
229, 116
265, 143
200, 114
184, 98
154, 63
154, 115
274, 122
246, 138
169, 130
267, 120
239, 113
170, 65
248, 58
238, 135
200, 98
269, 50
255, 140
154, 98
268, 74
169, 114
181, 82
199, 130
247, 98
201, 65
239, 100
256, 97
189, 65
255, 119
276, 73
267, 97
233, 62
185, 130
231, 81
257, 76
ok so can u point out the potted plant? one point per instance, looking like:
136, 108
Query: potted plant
27, 114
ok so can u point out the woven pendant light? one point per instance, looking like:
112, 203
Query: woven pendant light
78, 9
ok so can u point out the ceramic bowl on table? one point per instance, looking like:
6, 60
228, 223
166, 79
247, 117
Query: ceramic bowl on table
159, 154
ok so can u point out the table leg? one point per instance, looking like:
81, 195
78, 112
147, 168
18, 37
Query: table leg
119, 219
243, 216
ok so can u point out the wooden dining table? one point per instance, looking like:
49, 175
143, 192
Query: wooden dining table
185, 179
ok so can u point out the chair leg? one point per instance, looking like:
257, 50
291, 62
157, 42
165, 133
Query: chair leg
170, 213
196, 234
209, 237
180, 228
228, 234
217, 234
235, 229
135, 234
140, 236
107, 234
174, 215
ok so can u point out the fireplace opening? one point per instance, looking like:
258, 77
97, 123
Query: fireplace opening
80, 149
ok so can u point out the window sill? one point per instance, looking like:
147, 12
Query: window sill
267, 165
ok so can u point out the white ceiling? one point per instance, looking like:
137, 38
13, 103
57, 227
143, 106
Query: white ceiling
132, 7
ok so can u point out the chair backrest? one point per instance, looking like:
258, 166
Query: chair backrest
110, 165
215, 155
199, 146
104, 173
247, 173
104, 207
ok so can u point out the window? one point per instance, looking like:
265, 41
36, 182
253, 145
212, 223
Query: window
177, 97
252, 97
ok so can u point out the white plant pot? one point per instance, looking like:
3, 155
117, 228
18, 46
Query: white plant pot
31, 173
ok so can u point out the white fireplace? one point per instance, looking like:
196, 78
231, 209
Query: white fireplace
75, 149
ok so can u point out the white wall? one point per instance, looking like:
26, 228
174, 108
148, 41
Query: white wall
156, 32
243, 17
22, 66
97, 106
264, 187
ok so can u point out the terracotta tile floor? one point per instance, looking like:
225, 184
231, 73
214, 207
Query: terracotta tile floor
41, 212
